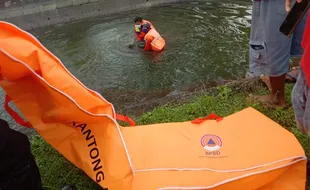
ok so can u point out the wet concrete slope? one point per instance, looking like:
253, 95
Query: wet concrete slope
31, 14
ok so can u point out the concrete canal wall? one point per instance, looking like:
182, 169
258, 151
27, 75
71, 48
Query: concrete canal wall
31, 14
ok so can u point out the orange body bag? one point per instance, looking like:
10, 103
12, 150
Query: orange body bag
243, 151
158, 43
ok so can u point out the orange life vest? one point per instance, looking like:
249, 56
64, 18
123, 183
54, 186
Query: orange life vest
146, 21
158, 43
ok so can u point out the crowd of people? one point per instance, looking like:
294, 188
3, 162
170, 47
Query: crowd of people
270, 52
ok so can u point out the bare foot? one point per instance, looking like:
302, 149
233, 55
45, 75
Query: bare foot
292, 75
267, 99
266, 80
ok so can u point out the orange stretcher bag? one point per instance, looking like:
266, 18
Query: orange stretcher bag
243, 151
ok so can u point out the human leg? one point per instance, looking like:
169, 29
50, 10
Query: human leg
18, 170
296, 48
296, 52
301, 105
277, 90
269, 49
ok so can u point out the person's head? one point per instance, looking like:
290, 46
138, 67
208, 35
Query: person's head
138, 20
145, 28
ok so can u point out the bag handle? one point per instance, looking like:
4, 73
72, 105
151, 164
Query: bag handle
18, 119
212, 116
126, 119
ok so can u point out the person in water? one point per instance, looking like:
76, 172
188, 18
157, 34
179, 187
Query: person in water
137, 27
153, 40
18, 169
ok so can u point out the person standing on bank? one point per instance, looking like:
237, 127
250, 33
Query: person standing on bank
301, 90
270, 50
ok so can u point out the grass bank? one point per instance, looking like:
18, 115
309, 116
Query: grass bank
225, 100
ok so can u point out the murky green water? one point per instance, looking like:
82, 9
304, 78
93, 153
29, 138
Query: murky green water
206, 41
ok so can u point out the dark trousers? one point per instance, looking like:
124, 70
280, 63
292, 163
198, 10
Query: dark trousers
18, 169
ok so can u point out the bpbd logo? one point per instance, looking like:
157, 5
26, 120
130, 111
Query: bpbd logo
212, 144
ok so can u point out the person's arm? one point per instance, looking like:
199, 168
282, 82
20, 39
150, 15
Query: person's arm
138, 36
288, 4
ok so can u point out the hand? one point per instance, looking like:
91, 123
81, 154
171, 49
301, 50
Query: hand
288, 4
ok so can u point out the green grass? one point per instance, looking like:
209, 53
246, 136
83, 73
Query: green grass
57, 171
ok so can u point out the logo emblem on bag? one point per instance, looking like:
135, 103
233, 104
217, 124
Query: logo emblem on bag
211, 143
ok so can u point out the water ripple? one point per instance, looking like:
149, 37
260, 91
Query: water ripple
206, 40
